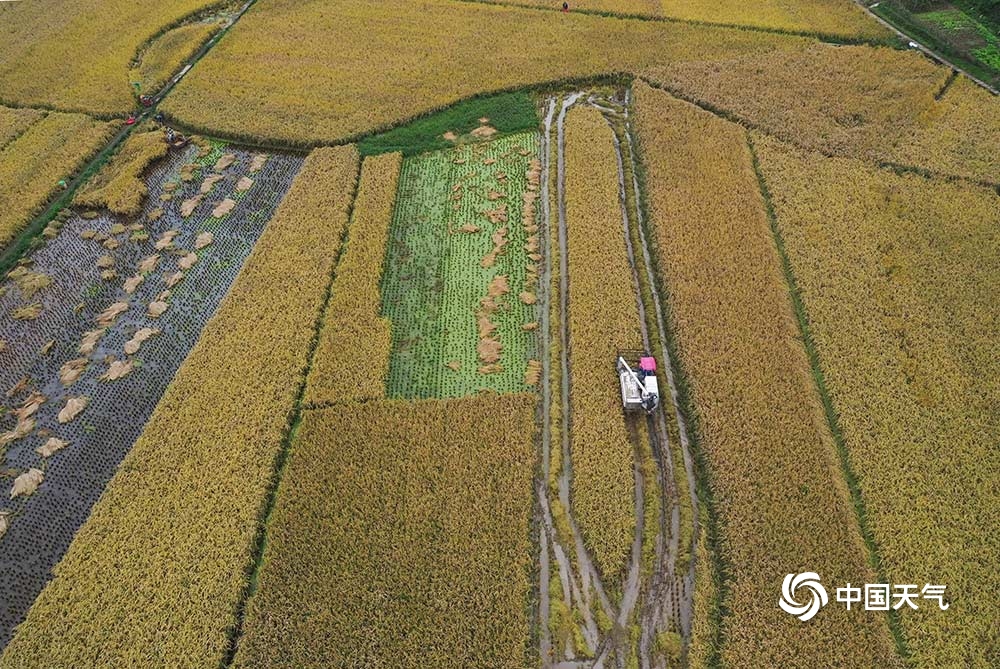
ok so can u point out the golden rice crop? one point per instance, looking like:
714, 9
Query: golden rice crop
154, 575
829, 17
75, 54
603, 318
13, 122
779, 493
352, 358
958, 134
400, 537
898, 276
159, 61
32, 164
858, 101
303, 73
119, 186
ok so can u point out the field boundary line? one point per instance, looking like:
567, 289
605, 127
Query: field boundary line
733, 117
832, 418
281, 459
541, 88
829, 38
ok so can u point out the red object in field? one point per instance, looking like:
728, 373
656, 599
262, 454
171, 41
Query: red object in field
130, 120
647, 364
145, 100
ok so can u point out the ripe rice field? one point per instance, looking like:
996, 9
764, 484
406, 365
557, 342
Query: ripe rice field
425, 557
310, 314
38, 151
809, 16
458, 268
901, 326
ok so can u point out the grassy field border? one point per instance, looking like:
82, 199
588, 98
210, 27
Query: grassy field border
833, 421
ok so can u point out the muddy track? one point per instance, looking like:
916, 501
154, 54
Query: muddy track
654, 602
670, 596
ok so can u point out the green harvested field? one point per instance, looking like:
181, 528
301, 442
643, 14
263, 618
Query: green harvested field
434, 280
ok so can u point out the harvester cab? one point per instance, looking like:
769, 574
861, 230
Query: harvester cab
640, 390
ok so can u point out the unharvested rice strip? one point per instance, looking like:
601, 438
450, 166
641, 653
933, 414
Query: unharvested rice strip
533, 373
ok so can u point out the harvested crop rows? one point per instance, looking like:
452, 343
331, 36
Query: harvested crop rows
461, 273
114, 323
899, 285
424, 558
175, 526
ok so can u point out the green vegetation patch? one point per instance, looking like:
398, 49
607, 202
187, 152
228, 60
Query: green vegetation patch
435, 281
507, 113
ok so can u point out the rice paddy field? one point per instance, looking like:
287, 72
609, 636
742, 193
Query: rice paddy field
318, 325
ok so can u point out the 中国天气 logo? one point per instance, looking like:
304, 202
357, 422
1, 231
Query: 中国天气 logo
808, 581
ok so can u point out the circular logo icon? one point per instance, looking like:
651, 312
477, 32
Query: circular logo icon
809, 581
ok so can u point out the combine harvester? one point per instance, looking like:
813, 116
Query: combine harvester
640, 391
